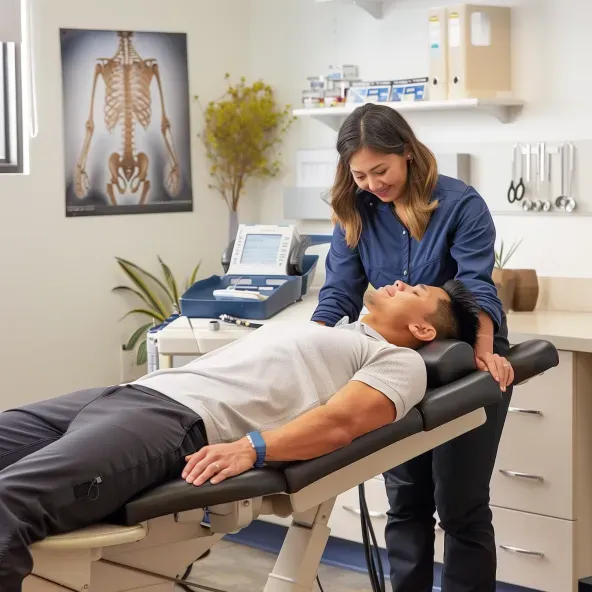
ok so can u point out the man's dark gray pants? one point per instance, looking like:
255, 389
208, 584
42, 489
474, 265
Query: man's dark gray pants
72, 461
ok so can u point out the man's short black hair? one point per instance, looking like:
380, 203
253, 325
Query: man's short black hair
457, 318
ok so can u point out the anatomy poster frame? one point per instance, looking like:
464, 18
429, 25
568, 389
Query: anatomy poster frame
127, 128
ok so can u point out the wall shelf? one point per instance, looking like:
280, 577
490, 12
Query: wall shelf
502, 109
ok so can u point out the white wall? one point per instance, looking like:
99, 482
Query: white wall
549, 74
60, 322
10, 20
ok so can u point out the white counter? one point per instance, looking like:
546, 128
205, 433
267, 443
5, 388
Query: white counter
568, 331
178, 339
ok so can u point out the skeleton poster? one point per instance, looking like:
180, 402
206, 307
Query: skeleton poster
127, 134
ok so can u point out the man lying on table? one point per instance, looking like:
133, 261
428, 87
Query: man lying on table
287, 391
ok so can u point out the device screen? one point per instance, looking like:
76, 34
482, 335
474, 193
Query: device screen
261, 249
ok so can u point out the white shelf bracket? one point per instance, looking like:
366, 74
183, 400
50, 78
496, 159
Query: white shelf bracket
503, 113
374, 7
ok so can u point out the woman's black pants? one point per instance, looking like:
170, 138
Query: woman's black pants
454, 479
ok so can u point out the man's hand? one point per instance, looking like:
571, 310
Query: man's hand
498, 367
219, 461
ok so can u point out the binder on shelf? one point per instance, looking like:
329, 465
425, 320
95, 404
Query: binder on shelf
479, 51
438, 68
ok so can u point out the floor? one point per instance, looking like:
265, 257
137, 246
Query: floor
233, 567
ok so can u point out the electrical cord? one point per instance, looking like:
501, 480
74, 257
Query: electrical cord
373, 560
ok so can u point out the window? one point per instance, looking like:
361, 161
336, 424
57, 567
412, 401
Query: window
11, 139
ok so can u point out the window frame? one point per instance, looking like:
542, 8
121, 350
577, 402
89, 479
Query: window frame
11, 99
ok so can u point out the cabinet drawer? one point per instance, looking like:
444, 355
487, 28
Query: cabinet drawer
345, 519
532, 551
534, 465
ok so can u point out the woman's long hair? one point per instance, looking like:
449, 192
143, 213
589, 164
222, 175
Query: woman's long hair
384, 130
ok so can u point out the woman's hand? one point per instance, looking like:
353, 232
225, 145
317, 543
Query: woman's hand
486, 360
498, 367
218, 462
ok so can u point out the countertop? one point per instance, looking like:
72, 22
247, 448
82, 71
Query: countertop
569, 331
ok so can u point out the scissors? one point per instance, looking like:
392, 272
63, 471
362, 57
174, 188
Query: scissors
516, 192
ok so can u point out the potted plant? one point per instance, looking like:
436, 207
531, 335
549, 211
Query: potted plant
158, 300
241, 131
518, 289
502, 277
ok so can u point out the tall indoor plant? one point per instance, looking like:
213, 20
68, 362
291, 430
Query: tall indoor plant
241, 131
158, 299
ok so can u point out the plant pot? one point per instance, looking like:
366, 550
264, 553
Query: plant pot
526, 291
505, 283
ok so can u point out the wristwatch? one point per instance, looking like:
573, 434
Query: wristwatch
258, 443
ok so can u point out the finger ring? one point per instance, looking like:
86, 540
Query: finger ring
217, 467
507, 365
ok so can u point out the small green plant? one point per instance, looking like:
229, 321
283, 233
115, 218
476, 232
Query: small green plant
158, 299
241, 130
501, 258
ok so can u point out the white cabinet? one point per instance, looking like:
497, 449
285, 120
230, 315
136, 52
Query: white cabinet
532, 551
534, 470
541, 488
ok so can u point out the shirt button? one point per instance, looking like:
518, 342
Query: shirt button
405, 272
404, 232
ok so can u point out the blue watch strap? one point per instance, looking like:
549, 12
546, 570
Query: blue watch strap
258, 444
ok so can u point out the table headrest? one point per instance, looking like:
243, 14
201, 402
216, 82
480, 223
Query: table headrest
447, 360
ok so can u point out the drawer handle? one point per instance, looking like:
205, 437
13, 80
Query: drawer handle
520, 475
524, 411
358, 512
521, 551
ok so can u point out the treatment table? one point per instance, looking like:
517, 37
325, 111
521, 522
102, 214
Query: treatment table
149, 543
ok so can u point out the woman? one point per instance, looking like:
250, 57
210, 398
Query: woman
397, 219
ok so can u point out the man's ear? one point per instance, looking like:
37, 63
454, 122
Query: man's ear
422, 332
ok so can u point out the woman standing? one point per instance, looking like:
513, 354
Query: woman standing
397, 219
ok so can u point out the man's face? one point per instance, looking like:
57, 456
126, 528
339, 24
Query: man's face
402, 306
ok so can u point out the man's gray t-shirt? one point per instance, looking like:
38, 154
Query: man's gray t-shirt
281, 370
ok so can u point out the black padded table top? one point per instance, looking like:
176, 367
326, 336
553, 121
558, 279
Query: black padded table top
466, 390
180, 496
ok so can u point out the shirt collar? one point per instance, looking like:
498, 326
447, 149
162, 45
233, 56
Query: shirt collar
359, 327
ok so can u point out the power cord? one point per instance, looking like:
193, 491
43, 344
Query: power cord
373, 560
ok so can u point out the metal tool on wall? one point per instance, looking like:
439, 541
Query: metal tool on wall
566, 201
540, 198
516, 192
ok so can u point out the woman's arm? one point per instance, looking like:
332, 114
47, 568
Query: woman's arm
473, 249
345, 283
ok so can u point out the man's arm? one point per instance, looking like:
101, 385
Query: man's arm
353, 411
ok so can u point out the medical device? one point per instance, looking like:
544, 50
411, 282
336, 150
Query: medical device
266, 269
268, 250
